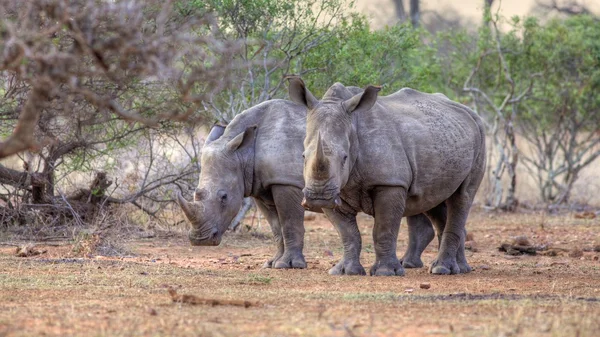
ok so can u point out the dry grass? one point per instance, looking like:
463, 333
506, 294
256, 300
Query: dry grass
55, 294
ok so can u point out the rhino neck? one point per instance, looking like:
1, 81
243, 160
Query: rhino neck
246, 159
354, 148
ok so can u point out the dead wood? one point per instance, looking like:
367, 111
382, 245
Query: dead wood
28, 250
194, 300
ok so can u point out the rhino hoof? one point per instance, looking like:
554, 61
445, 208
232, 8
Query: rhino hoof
464, 268
288, 261
448, 268
411, 263
271, 263
440, 270
343, 268
392, 268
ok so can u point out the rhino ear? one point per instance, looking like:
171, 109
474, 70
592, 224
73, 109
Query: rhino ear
299, 94
363, 101
215, 133
243, 140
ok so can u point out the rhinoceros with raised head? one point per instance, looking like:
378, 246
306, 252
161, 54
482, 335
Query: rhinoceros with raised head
404, 154
259, 154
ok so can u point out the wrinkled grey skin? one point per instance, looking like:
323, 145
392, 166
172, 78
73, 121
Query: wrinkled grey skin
406, 154
259, 154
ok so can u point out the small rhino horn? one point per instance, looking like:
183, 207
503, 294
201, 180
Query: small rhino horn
187, 207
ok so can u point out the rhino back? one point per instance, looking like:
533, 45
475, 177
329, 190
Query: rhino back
423, 142
279, 142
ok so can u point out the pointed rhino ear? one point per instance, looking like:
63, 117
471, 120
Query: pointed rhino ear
363, 101
243, 140
215, 133
299, 94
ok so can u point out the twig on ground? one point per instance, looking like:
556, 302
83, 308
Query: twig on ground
191, 299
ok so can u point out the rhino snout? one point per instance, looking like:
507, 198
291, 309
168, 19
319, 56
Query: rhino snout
211, 239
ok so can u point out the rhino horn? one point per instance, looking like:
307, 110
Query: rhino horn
322, 162
187, 207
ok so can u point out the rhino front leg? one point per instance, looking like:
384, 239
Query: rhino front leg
270, 214
346, 226
420, 234
291, 217
389, 203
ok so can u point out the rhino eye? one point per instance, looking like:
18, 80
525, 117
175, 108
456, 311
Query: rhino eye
222, 196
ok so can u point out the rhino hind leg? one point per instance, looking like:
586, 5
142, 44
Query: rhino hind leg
438, 216
346, 226
291, 217
388, 204
451, 257
270, 213
420, 234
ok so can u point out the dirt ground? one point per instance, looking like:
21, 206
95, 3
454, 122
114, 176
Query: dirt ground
554, 294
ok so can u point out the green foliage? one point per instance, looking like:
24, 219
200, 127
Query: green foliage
360, 56
276, 37
322, 40
567, 53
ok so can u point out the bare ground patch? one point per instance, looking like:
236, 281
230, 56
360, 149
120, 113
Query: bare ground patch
523, 295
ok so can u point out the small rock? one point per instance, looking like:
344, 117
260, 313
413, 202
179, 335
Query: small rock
143, 273
424, 285
597, 248
576, 253
596, 258
327, 252
409, 290
484, 267
152, 312
521, 240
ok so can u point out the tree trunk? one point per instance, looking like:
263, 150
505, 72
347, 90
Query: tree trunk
400, 13
511, 202
415, 13
246, 205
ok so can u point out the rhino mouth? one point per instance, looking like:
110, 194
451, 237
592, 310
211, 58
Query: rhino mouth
209, 239
327, 199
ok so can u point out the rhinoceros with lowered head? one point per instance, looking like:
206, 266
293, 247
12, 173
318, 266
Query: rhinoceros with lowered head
395, 156
259, 154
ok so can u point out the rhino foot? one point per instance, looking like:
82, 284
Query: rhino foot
447, 267
464, 267
390, 267
461, 259
271, 262
350, 267
411, 262
290, 260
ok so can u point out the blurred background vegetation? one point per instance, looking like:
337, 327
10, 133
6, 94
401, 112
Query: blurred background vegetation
119, 95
